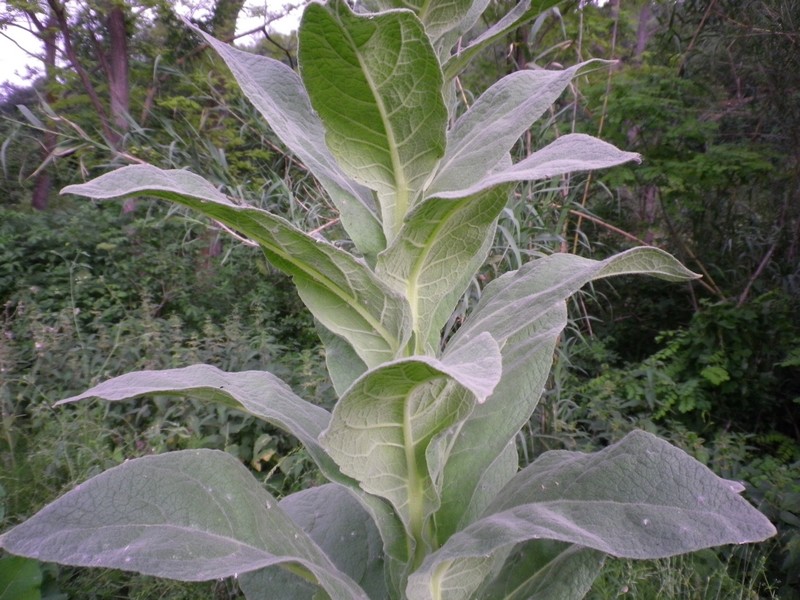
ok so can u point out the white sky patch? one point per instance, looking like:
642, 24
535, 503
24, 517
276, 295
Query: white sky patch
17, 45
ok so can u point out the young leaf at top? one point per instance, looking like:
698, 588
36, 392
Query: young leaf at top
136, 517
377, 86
525, 312
497, 119
278, 94
341, 291
640, 498
441, 246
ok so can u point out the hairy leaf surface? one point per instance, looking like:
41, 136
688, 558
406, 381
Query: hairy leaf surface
570, 153
525, 312
339, 290
441, 246
258, 393
278, 93
640, 498
496, 120
136, 517
341, 527
376, 83
393, 429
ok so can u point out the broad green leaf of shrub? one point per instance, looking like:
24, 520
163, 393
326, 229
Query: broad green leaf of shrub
334, 519
377, 86
341, 291
393, 429
524, 311
230, 526
629, 500
258, 393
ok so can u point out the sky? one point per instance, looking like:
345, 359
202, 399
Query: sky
14, 60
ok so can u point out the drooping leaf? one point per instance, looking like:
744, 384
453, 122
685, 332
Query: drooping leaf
441, 246
339, 290
525, 312
376, 84
570, 153
393, 429
258, 393
340, 526
495, 122
523, 12
343, 363
278, 94
639, 498
136, 517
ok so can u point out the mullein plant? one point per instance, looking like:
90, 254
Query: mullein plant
425, 499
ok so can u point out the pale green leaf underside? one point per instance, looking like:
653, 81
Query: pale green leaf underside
525, 312
278, 94
391, 430
640, 498
376, 84
339, 290
258, 393
135, 517
441, 246
495, 122
570, 153
334, 519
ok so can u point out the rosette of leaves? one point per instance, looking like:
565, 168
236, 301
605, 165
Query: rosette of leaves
425, 498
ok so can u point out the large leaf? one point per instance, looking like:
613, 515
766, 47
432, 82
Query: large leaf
335, 520
440, 247
639, 498
193, 515
256, 392
393, 429
568, 154
339, 290
495, 122
525, 312
278, 94
376, 83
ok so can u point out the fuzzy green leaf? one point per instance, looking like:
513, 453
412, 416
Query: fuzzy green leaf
339, 290
441, 246
376, 84
639, 498
258, 393
393, 429
278, 94
568, 154
495, 122
334, 519
525, 312
136, 517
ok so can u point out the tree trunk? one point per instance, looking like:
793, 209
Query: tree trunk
118, 66
223, 22
43, 182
